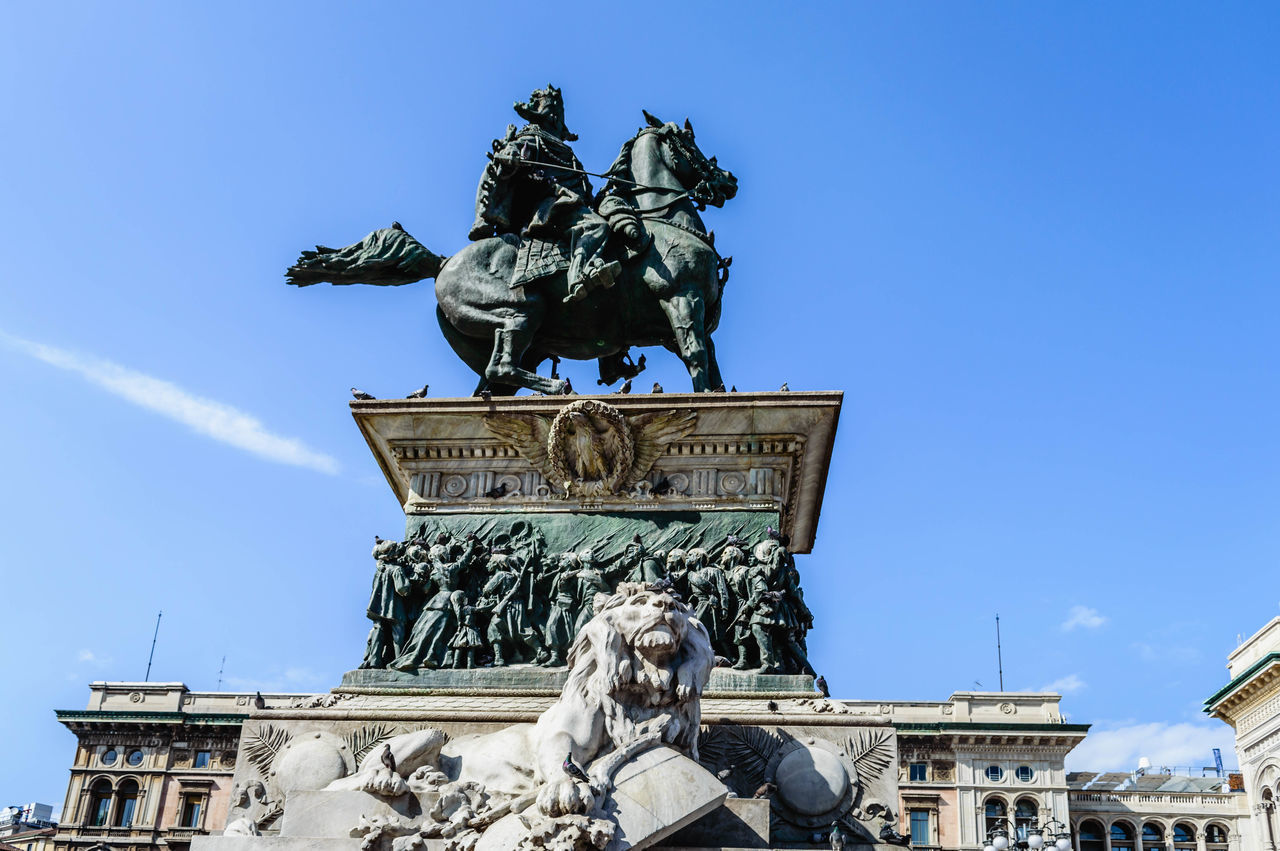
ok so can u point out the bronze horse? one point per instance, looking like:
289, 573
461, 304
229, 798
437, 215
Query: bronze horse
667, 295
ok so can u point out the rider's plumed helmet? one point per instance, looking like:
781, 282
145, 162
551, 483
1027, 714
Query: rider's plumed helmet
545, 108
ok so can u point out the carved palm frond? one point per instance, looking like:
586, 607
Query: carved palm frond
365, 739
748, 749
263, 745
871, 752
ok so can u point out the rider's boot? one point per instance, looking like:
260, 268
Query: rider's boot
598, 274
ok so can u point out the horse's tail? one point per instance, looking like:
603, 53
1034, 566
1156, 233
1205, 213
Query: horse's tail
389, 257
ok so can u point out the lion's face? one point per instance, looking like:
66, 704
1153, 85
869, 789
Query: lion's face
652, 622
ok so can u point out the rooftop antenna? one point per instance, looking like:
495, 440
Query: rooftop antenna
220, 670
147, 678
999, 653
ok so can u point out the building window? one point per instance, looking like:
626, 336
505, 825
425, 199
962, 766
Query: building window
99, 803
1184, 834
1025, 774
1215, 837
918, 771
994, 812
202, 759
1121, 837
920, 827
1152, 835
1025, 814
191, 805
134, 758
126, 803
109, 756
995, 773
1091, 836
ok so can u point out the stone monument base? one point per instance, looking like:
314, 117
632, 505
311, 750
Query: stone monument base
812, 761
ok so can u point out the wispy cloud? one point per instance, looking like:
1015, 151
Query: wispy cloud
1083, 617
210, 418
1182, 744
1064, 685
1177, 653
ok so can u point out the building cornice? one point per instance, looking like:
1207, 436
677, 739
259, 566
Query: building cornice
1259, 674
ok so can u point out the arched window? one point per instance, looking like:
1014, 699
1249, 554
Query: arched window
126, 803
1121, 836
1152, 835
1184, 837
1025, 814
1215, 837
995, 813
1090, 836
99, 803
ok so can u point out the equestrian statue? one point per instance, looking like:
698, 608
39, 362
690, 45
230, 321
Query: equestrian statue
554, 270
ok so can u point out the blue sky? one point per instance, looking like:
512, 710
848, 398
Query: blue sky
1035, 244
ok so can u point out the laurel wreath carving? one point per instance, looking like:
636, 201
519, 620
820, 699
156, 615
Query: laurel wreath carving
263, 745
620, 452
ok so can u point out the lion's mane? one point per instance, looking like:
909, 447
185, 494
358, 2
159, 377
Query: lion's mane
608, 673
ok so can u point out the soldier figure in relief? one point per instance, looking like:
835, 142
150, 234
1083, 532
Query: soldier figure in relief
534, 186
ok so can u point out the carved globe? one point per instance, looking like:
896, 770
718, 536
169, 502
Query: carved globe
311, 761
811, 781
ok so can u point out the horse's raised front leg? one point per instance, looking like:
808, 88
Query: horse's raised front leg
686, 315
509, 347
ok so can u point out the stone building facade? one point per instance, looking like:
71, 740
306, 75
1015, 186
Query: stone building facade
1250, 703
1124, 811
979, 757
152, 767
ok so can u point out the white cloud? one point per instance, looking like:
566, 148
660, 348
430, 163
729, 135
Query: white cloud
94, 660
85, 656
287, 680
1083, 616
1175, 653
1182, 744
1064, 685
204, 416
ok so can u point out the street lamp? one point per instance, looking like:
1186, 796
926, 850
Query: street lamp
997, 836
1036, 836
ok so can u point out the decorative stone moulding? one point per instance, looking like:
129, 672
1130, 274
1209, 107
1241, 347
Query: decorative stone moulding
674, 452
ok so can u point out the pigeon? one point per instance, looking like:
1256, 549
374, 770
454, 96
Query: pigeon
821, 685
568, 387
397, 226
626, 387
784, 388
361, 395
571, 769
723, 662
837, 838
259, 702
497, 491
772, 706
389, 759
733, 388
377, 539
773, 533
719, 388
765, 790
486, 395
662, 487
420, 393
657, 388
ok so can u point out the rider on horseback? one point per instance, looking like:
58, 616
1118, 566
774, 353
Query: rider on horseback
534, 186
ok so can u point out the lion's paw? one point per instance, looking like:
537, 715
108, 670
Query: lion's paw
386, 783
565, 796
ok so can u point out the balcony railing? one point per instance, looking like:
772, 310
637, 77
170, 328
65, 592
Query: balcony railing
1222, 800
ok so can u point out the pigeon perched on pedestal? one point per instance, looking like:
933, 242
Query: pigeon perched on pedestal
837, 837
258, 701
626, 387
420, 393
784, 388
571, 769
361, 395
388, 759
497, 491
821, 685
657, 388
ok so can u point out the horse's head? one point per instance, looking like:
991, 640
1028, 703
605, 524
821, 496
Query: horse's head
706, 182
